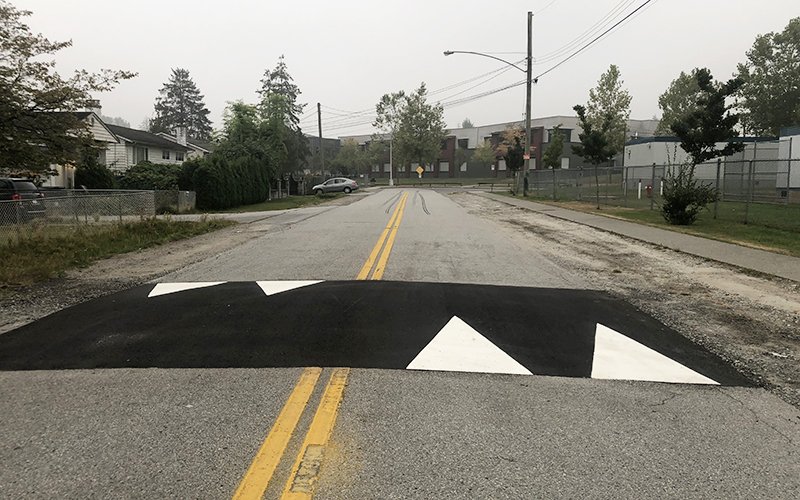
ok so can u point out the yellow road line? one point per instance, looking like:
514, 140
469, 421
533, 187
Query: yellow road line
305, 471
257, 477
367, 267
381, 266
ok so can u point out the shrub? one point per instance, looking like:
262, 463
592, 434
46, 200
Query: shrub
146, 175
685, 196
93, 175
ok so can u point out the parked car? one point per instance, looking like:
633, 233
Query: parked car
20, 200
335, 185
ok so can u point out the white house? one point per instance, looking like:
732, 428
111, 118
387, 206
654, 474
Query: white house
135, 146
197, 148
104, 139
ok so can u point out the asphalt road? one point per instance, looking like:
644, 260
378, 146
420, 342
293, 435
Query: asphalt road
97, 402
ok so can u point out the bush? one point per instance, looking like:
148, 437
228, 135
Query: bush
90, 173
222, 182
146, 175
93, 175
685, 197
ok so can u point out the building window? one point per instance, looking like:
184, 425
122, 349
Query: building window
179, 155
165, 154
429, 167
463, 143
401, 168
387, 167
501, 165
444, 166
464, 167
376, 168
140, 155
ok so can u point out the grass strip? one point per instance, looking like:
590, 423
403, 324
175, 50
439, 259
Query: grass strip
44, 252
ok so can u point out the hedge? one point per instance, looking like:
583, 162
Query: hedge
224, 183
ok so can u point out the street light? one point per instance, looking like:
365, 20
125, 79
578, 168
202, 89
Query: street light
528, 81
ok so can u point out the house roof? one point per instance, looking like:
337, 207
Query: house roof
207, 147
144, 137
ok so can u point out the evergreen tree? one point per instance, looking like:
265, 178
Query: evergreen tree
678, 101
180, 103
279, 95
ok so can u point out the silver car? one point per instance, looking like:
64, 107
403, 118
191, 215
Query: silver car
335, 185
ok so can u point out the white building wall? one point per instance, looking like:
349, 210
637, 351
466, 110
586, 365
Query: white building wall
117, 157
789, 149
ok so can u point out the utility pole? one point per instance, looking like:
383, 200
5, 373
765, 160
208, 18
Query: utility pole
391, 164
528, 83
321, 149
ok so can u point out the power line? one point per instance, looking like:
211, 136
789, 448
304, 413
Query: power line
597, 26
475, 97
545, 7
640, 7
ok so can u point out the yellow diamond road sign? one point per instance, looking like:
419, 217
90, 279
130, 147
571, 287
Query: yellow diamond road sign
420, 170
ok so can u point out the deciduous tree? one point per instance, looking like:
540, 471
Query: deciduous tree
485, 154
595, 147
416, 127
770, 95
37, 124
678, 101
610, 101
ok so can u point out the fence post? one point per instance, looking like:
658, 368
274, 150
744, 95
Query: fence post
625, 184
578, 182
609, 186
554, 184
789, 173
652, 185
716, 199
749, 190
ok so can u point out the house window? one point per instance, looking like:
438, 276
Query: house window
401, 168
376, 168
444, 166
387, 167
463, 143
429, 167
165, 154
140, 155
179, 155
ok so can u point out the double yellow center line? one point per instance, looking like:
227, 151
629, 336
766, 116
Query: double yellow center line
387, 236
306, 466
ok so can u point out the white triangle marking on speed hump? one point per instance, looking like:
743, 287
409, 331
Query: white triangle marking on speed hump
165, 288
460, 348
618, 357
273, 287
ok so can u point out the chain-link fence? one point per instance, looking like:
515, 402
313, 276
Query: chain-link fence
765, 192
64, 208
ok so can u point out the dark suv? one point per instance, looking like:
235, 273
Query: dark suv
20, 200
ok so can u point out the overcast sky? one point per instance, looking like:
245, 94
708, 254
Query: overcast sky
347, 54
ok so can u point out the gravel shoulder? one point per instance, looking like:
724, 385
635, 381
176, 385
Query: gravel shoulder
751, 321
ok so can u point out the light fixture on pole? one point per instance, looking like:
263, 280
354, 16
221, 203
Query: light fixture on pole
528, 81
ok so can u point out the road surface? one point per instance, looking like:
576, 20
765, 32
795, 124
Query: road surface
204, 385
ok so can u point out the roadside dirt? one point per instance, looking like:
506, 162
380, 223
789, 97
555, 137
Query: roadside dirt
751, 321
23, 305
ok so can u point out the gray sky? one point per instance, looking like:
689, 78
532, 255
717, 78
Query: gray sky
347, 54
